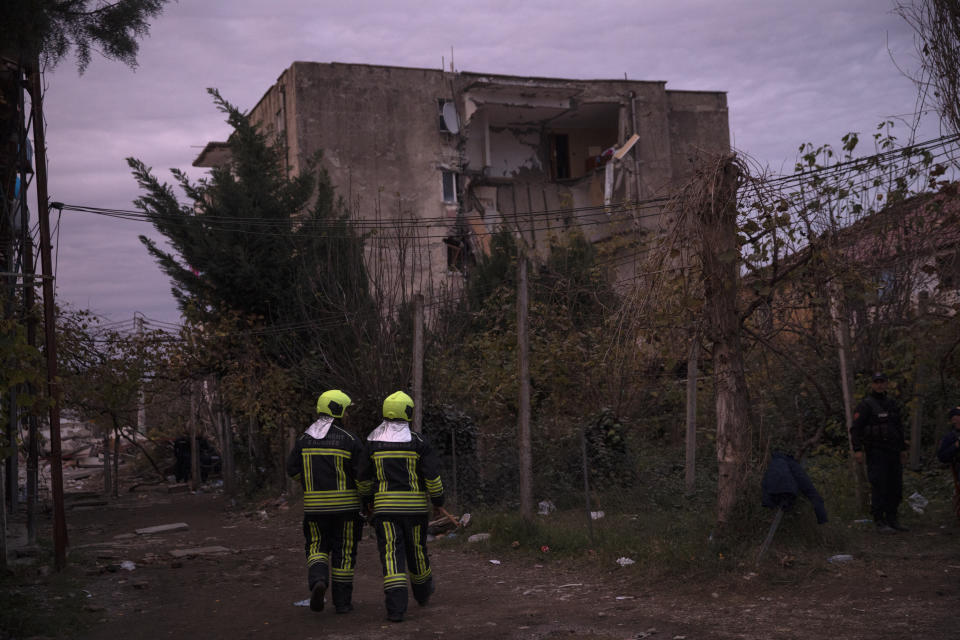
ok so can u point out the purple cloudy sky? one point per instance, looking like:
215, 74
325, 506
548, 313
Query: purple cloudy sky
793, 72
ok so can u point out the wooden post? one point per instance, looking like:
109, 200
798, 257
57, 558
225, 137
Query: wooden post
49, 320
916, 433
523, 420
418, 363
586, 479
194, 449
107, 469
842, 329
691, 437
3, 516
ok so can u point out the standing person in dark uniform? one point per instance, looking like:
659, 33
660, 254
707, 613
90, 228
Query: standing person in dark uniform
325, 459
948, 452
877, 431
401, 480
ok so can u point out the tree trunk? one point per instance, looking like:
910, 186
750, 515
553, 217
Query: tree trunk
720, 254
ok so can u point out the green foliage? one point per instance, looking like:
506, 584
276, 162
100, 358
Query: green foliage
102, 370
50, 28
270, 273
22, 367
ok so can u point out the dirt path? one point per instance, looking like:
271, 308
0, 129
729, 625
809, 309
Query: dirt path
907, 587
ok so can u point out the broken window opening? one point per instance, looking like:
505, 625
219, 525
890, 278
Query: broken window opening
456, 254
560, 156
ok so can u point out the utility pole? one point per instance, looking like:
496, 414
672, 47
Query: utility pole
49, 320
418, 363
523, 354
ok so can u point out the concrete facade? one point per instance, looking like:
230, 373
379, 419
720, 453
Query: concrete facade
435, 161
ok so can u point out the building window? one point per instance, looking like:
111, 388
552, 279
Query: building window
450, 185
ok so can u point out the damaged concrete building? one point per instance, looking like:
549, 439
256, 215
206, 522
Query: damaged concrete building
435, 161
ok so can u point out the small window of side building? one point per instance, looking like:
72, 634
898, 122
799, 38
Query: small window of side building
450, 185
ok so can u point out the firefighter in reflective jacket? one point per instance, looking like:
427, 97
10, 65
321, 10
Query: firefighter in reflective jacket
878, 432
399, 482
325, 459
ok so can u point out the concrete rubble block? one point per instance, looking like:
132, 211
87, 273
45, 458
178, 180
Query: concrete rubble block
163, 528
199, 551
478, 537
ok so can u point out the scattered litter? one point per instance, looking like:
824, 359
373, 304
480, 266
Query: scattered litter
625, 562
624, 597
128, 565
302, 603
596, 515
863, 521
86, 593
545, 508
572, 584
478, 537
840, 557
494, 562
545, 549
750, 576
917, 502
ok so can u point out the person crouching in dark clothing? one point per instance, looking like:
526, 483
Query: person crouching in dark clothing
401, 480
877, 434
783, 480
326, 460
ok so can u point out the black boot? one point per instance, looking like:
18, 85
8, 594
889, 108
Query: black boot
342, 595
316, 596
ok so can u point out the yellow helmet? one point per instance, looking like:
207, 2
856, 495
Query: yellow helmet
398, 406
333, 403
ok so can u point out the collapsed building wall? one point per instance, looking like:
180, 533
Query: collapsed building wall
432, 162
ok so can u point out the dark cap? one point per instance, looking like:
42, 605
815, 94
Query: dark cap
879, 376
954, 412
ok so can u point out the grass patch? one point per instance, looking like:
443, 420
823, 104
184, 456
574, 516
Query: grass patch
667, 533
53, 606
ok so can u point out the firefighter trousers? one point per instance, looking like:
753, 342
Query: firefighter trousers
402, 543
331, 546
